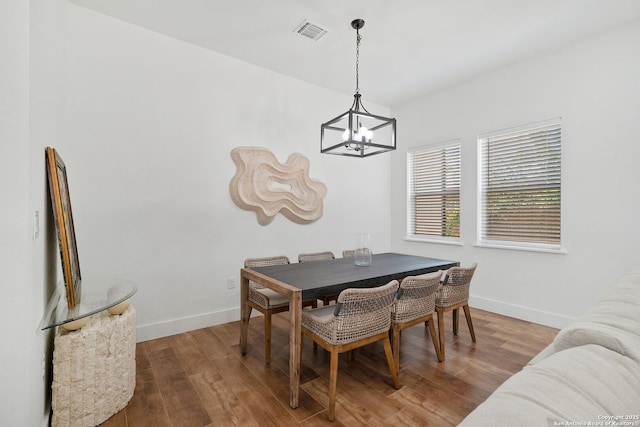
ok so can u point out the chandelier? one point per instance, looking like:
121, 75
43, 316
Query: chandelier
358, 133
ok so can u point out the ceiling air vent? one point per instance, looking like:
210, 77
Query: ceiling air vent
310, 30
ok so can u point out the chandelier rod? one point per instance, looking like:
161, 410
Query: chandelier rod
357, 24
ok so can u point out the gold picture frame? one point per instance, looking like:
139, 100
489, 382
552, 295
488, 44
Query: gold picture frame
63, 218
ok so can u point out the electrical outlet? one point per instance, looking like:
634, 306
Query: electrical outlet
232, 282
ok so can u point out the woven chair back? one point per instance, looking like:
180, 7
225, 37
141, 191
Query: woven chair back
316, 256
360, 313
264, 262
456, 285
416, 297
349, 253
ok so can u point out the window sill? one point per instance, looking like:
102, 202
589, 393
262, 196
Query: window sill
520, 248
434, 240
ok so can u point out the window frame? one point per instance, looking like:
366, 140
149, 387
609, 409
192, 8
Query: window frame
410, 205
512, 244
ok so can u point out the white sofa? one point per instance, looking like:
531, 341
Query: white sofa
588, 376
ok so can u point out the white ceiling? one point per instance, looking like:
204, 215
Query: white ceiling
409, 47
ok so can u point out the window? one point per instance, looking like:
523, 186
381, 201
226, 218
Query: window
519, 175
434, 192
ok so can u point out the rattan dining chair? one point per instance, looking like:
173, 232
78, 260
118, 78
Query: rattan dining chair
348, 253
315, 256
361, 316
415, 303
453, 294
319, 256
267, 301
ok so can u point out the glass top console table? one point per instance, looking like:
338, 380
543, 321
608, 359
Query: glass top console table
96, 294
94, 371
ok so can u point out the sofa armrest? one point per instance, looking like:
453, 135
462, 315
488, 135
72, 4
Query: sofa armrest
613, 322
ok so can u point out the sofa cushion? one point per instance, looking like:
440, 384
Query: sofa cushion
613, 322
546, 352
581, 385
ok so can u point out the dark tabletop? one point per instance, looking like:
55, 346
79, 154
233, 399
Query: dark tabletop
328, 277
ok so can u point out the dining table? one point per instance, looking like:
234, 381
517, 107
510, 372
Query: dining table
314, 279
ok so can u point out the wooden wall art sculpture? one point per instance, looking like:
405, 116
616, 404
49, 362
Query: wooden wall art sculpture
268, 187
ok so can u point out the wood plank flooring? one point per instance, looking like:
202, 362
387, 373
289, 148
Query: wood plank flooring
199, 378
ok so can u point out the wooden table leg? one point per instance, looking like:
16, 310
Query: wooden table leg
295, 346
244, 312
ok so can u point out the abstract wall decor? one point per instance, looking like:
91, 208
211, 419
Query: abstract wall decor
264, 185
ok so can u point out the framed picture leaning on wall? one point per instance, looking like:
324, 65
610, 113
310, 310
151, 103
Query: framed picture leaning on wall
63, 218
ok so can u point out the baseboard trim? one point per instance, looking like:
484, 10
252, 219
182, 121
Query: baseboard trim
520, 312
186, 324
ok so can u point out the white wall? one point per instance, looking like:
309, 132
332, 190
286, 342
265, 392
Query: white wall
31, 57
593, 85
14, 252
150, 124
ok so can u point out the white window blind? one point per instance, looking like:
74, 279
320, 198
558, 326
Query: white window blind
520, 177
434, 191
